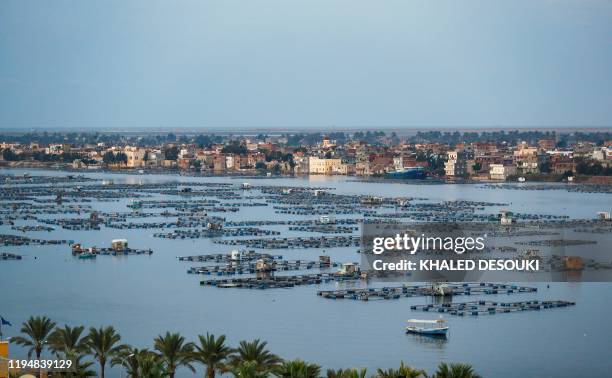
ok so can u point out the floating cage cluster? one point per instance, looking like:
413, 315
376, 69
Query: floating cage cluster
477, 308
251, 267
226, 257
296, 242
213, 233
16, 240
9, 256
274, 282
408, 291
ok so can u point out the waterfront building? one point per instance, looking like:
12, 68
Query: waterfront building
320, 166
135, 156
501, 171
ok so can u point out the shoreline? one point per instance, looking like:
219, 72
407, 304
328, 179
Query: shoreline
583, 180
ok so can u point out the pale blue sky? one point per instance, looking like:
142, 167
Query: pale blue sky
306, 63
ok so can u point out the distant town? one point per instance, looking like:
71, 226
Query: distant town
454, 156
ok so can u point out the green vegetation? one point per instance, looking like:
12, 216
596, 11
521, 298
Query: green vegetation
592, 168
103, 344
171, 153
212, 353
37, 331
112, 158
234, 147
172, 351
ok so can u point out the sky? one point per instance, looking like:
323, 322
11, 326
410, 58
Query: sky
320, 64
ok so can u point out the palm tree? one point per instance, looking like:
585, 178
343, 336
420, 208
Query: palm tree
211, 352
38, 330
256, 352
298, 369
174, 352
103, 344
404, 371
128, 359
151, 366
455, 371
389, 373
80, 369
332, 373
346, 373
248, 369
139, 363
67, 341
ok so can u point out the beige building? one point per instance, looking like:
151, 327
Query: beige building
344, 169
501, 171
320, 166
135, 156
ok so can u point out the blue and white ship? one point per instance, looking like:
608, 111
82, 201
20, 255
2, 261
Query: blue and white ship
410, 173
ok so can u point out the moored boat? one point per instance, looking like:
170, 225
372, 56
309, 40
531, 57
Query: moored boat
409, 173
87, 255
427, 327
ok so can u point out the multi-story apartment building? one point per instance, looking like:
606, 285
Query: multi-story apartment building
456, 164
501, 171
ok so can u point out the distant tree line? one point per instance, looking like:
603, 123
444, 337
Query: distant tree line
562, 139
66, 157
511, 137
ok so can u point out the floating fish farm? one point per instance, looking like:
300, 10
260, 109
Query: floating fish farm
407, 291
275, 282
251, 267
9, 256
296, 242
323, 220
212, 233
477, 308
226, 257
15, 240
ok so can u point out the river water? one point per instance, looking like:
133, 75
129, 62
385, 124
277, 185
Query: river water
143, 296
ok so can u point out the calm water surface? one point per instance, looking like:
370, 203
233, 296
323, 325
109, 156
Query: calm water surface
145, 296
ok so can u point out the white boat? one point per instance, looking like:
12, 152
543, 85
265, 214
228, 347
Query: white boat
427, 327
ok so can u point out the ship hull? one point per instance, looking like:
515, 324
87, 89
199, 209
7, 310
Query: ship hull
408, 174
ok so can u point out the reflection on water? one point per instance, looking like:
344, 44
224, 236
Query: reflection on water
431, 342
441, 299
